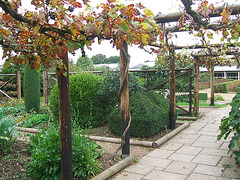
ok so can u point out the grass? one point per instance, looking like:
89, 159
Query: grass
202, 104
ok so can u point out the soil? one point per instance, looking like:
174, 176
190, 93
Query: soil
14, 164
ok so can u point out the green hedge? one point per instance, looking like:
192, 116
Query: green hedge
220, 88
203, 96
88, 109
149, 113
31, 88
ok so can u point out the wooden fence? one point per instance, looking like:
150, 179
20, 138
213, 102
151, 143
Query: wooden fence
18, 77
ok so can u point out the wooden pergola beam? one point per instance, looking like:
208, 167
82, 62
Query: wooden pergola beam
172, 17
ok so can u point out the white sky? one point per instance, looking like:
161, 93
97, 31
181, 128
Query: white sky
138, 55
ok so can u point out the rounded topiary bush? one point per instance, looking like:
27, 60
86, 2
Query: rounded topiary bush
31, 88
148, 118
87, 106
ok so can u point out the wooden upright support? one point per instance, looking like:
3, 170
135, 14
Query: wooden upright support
19, 85
190, 92
172, 88
65, 122
196, 98
45, 87
212, 87
124, 92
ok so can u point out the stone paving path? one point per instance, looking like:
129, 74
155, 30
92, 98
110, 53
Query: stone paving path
193, 154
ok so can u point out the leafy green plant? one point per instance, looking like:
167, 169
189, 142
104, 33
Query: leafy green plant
7, 131
46, 157
218, 98
231, 125
36, 119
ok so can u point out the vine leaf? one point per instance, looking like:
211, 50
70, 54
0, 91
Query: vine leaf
205, 9
225, 15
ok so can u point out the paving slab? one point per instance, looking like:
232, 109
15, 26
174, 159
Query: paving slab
206, 159
209, 170
193, 154
180, 167
161, 175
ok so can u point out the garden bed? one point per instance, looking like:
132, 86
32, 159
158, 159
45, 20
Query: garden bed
14, 164
113, 163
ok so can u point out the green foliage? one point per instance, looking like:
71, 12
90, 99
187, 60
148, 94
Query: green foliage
88, 109
183, 98
231, 125
99, 59
31, 88
220, 88
36, 119
46, 156
111, 86
102, 59
204, 77
149, 114
85, 63
203, 96
7, 129
218, 98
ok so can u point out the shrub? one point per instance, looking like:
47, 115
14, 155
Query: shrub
231, 125
148, 117
218, 98
87, 106
31, 88
203, 96
220, 88
46, 156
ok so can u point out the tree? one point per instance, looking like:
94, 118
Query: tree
99, 59
84, 63
113, 59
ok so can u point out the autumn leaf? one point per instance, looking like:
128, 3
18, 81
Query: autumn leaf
148, 12
204, 9
225, 15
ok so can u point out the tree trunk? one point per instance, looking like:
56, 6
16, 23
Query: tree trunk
124, 92
65, 122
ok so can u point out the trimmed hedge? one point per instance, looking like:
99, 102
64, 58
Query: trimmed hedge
88, 108
203, 96
31, 89
149, 113
220, 88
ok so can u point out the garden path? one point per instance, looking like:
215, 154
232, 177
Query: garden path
193, 154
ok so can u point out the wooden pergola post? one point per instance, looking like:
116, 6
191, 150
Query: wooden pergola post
190, 92
124, 93
65, 122
172, 88
212, 86
45, 87
19, 85
196, 75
